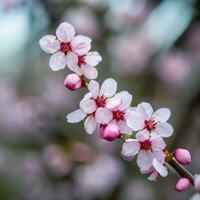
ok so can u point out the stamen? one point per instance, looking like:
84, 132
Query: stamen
65, 47
146, 145
100, 101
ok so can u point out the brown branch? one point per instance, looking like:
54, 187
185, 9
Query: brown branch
183, 172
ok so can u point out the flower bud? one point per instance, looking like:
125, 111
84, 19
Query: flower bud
197, 183
182, 156
110, 132
182, 184
73, 82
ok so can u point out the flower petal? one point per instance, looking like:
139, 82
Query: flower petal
109, 87
65, 32
81, 44
157, 143
76, 116
164, 129
113, 102
124, 129
88, 105
57, 61
146, 109
90, 124
49, 44
72, 63
162, 115
93, 58
93, 87
135, 120
144, 159
160, 156
89, 72
153, 176
103, 115
142, 135
87, 95
160, 168
126, 98
130, 148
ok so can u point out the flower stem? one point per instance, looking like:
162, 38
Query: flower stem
183, 172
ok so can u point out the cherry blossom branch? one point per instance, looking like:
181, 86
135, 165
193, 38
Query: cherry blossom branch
182, 171
110, 114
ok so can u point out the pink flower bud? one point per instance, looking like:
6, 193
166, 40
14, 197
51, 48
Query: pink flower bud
182, 184
182, 156
197, 183
110, 132
73, 82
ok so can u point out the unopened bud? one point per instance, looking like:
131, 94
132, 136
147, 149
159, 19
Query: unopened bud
110, 132
182, 184
182, 156
73, 82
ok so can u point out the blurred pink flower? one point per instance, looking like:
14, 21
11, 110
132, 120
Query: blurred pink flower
197, 183
134, 189
99, 178
131, 53
84, 21
129, 13
57, 160
174, 68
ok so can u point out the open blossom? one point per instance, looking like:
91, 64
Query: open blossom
84, 64
143, 118
96, 104
119, 113
64, 43
147, 147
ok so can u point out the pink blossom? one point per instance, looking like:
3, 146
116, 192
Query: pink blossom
84, 21
182, 156
96, 104
84, 64
62, 44
143, 118
119, 113
147, 147
73, 82
182, 184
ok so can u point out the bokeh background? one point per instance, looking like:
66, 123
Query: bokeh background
151, 47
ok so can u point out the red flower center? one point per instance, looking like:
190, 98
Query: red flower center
81, 61
100, 101
118, 115
146, 145
65, 47
150, 125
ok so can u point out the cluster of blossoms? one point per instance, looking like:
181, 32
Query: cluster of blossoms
108, 112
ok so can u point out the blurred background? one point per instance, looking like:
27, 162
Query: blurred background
151, 47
